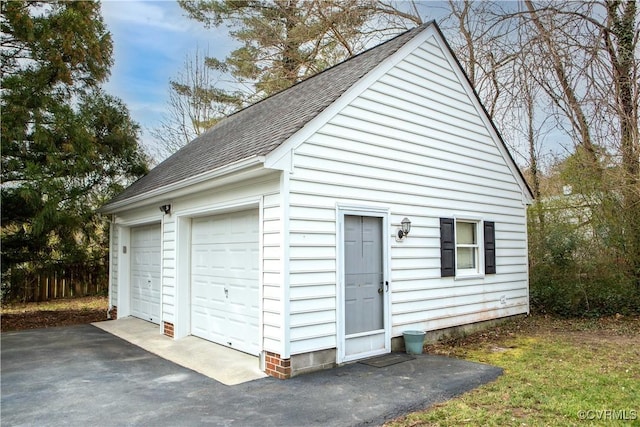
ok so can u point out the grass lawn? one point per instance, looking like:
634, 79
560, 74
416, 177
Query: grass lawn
556, 372
62, 312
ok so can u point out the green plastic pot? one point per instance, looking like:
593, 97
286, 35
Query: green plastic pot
413, 341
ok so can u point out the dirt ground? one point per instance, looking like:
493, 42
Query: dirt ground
48, 314
624, 330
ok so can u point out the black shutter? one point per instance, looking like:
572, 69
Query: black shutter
447, 247
489, 247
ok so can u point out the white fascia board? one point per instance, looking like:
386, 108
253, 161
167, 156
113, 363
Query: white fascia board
277, 158
142, 199
284, 162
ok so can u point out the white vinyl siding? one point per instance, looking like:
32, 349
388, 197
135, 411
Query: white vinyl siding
413, 142
312, 280
168, 269
272, 273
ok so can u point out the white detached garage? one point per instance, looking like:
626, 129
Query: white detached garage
278, 231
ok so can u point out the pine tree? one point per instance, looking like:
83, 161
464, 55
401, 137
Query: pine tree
66, 145
283, 42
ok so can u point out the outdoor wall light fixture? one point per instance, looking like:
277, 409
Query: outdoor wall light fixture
165, 209
406, 227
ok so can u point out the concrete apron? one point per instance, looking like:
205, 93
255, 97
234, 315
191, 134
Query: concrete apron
223, 364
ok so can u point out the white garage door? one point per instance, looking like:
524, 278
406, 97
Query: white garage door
224, 280
145, 272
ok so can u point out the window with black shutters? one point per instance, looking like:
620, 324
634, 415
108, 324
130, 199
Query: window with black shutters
467, 247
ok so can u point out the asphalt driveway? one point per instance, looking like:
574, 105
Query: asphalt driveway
83, 376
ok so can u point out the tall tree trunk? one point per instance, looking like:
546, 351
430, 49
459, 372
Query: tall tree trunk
621, 17
531, 142
577, 117
290, 54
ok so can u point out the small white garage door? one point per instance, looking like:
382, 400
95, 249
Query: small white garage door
224, 280
145, 272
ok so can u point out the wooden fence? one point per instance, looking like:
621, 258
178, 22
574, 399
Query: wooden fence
57, 282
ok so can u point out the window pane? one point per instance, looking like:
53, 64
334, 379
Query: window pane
466, 233
466, 258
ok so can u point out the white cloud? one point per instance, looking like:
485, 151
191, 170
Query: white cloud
143, 13
150, 40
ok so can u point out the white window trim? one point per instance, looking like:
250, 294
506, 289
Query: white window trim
470, 273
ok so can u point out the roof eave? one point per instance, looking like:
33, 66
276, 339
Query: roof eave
144, 198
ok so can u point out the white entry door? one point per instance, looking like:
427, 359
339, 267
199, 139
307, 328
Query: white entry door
224, 280
365, 287
145, 272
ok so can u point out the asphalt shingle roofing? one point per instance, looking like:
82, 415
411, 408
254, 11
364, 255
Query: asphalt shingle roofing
260, 128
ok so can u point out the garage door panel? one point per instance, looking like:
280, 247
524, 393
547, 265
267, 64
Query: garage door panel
213, 331
209, 294
208, 230
225, 268
243, 225
239, 284
244, 299
241, 327
239, 227
240, 309
231, 260
210, 304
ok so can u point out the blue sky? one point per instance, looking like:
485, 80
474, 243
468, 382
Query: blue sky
151, 39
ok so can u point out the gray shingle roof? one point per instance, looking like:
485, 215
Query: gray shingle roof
263, 126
